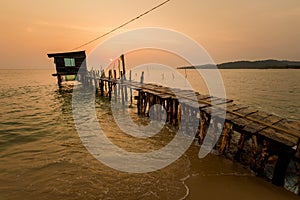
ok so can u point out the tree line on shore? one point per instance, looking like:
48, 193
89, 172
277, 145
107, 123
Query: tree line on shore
262, 64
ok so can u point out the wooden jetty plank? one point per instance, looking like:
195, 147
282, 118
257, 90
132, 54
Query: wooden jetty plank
162, 92
279, 136
280, 130
186, 92
181, 90
132, 83
165, 96
260, 115
248, 121
219, 113
215, 110
218, 101
203, 97
230, 116
207, 110
282, 136
152, 92
186, 95
246, 111
253, 128
240, 123
202, 105
235, 112
235, 107
188, 103
133, 87
272, 119
289, 125
206, 100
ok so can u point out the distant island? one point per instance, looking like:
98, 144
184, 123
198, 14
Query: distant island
262, 64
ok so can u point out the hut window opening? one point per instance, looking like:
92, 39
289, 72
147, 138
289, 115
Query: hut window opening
69, 62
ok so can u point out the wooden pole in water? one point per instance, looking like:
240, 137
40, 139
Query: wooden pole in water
119, 69
254, 152
114, 83
125, 91
102, 84
281, 166
227, 132
124, 76
123, 65
95, 81
240, 146
121, 85
130, 89
142, 78
263, 157
115, 74
171, 106
105, 85
109, 84
59, 80
176, 113
139, 103
142, 100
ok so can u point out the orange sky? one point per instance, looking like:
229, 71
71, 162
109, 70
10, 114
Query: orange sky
229, 30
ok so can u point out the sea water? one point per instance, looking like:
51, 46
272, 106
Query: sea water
42, 156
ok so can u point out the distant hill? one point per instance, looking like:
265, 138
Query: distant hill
262, 64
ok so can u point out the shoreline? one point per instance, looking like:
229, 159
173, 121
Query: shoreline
221, 181
235, 187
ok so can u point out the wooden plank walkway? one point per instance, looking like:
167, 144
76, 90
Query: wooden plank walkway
261, 134
245, 118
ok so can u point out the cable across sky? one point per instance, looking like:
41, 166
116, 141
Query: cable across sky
124, 24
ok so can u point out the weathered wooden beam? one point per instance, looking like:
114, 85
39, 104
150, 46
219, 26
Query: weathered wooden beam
262, 158
123, 65
130, 89
226, 137
122, 90
59, 80
281, 168
240, 146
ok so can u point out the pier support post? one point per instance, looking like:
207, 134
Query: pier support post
204, 122
139, 102
102, 84
142, 78
253, 156
281, 168
122, 89
123, 65
240, 146
176, 113
263, 157
171, 106
114, 82
130, 89
109, 84
59, 80
297, 156
143, 103
227, 135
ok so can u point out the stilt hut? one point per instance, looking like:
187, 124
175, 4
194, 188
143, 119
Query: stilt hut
69, 65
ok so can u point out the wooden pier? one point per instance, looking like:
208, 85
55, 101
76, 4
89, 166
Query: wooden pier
261, 135
250, 136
